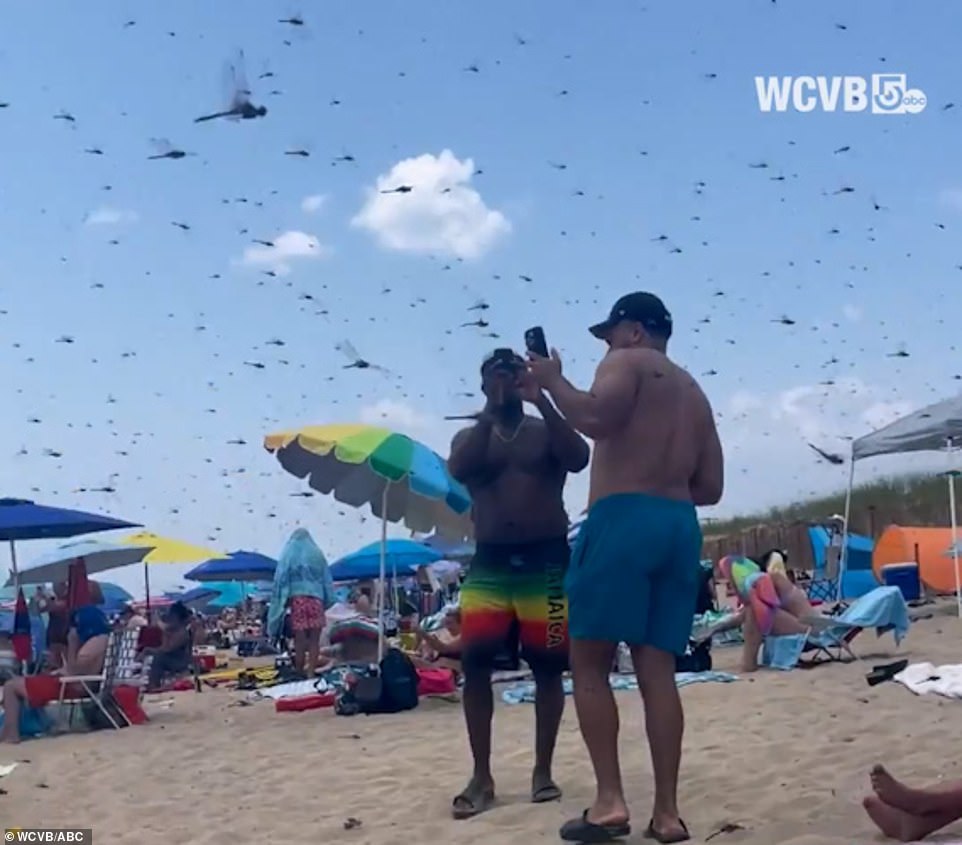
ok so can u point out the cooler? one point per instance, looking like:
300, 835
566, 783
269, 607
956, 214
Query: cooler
905, 576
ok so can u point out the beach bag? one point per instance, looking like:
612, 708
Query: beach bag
697, 657
399, 683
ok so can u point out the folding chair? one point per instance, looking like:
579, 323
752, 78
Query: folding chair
96, 688
824, 584
828, 640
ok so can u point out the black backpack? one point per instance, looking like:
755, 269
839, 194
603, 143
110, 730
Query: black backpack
394, 689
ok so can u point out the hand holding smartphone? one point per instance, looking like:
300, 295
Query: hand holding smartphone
535, 343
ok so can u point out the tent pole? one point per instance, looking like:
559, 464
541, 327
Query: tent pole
380, 592
954, 523
13, 565
843, 555
147, 589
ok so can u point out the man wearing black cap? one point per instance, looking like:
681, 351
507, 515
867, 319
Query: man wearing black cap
515, 467
634, 571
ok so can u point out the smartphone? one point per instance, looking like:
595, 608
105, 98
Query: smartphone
534, 341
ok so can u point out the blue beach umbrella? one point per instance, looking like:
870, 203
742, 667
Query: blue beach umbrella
403, 557
21, 519
237, 566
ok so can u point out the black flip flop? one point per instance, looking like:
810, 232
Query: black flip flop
586, 832
473, 808
545, 794
879, 674
651, 833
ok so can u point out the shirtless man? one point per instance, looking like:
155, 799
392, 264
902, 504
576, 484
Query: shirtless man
635, 568
515, 467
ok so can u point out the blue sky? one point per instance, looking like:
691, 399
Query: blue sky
163, 320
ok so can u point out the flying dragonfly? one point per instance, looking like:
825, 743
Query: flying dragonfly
480, 305
346, 348
166, 150
831, 457
241, 107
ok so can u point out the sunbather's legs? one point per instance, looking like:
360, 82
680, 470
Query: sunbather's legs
940, 798
313, 648
14, 691
300, 650
905, 827
753, 640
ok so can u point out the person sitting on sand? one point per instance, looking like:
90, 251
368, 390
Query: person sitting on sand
772, 606
86, 649
442, 649
174, 654
911, 813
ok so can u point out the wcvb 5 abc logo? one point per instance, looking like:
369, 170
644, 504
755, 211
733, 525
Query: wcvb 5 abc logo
891, 95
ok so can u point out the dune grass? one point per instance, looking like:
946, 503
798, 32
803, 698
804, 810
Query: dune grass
904, 500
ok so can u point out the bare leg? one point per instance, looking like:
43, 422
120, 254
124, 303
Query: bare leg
549, 705
300, 649
598, 719
941, 798
14, 691
792, 598
905, 827
784, 624
665, 725
313, 637
478, 703
753, 641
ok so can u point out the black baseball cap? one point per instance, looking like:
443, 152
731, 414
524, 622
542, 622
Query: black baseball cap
641, 307
503, 359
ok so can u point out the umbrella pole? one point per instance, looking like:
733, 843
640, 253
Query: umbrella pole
955, 540
380, 592
147, 588
13, 565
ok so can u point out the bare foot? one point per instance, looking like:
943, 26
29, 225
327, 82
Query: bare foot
897, 794
897, 824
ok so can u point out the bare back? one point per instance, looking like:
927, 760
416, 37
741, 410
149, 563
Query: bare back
658, 449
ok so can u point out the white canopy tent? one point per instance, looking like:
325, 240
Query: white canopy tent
934, 428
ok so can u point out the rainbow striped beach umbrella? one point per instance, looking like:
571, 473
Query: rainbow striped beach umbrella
400, 478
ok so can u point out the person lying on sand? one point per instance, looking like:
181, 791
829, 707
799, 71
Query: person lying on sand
444, 648
908, 813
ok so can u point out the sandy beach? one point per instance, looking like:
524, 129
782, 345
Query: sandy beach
785, 755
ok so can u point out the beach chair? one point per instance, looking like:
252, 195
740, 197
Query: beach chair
828, 640
824, 584
96, 688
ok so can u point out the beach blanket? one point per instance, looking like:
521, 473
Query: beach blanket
925, 678
523, 693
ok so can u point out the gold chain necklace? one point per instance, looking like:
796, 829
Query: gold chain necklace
510, 439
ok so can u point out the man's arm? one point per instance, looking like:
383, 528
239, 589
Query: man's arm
469, 450
568, 446
708, 481
607, 406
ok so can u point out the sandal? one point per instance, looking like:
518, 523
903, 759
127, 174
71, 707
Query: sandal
885, 673
469, 807
586, 832
664, 838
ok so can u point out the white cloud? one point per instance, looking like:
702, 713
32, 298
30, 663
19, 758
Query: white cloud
952, 197
311, 204
765, 437
441, 214
107, 216
852, 313
289, 246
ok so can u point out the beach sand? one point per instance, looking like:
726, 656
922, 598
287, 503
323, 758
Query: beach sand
785, 755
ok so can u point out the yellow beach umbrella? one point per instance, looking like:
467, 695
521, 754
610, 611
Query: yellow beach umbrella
167, 550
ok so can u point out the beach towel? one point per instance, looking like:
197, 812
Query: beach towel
925, 678
883, 609
302, 570
523, 693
